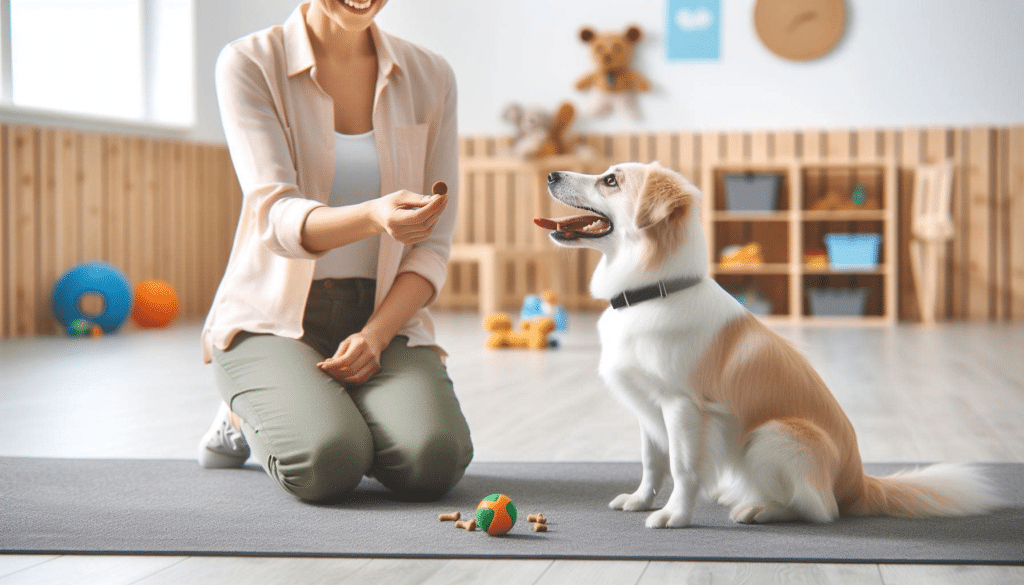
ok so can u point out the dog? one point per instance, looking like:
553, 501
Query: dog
727, 407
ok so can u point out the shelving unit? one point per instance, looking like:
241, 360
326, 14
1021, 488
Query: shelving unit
796, 227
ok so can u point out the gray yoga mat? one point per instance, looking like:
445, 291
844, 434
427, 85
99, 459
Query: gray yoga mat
174, 507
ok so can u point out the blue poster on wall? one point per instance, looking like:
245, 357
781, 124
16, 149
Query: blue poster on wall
694, 29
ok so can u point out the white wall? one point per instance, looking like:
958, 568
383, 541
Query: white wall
902, 62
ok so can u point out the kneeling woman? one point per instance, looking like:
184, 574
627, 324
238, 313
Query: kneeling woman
319, 335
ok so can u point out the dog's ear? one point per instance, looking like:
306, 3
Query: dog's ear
633, 34
587, 34
664, 195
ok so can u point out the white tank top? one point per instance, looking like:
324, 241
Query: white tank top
356, 179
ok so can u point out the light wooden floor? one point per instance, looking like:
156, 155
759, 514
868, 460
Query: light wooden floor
954, 392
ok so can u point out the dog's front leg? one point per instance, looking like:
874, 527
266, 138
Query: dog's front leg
685, 426
655, 462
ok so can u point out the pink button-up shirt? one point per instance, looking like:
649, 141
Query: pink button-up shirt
279, 126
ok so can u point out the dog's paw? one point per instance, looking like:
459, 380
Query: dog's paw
666, 518
760, 513
631, 503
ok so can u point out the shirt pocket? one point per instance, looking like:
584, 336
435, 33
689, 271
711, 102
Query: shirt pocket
411, 156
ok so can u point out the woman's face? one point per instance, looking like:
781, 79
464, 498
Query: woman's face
351, 15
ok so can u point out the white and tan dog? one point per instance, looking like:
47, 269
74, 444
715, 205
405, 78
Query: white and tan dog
725, 404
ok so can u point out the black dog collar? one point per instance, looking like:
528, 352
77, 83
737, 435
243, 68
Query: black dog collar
655, 291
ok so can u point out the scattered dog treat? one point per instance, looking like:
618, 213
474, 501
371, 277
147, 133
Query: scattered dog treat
469, 525
540, 527
449, 517
538, 518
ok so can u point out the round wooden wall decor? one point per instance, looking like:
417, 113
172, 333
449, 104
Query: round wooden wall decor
800, 30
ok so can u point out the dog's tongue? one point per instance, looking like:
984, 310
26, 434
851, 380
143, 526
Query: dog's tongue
575, 225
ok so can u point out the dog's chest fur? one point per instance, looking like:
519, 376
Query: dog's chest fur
650, 350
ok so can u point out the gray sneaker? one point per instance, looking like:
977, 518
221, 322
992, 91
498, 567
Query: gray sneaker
222, 446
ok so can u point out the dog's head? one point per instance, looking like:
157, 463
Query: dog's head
643, 212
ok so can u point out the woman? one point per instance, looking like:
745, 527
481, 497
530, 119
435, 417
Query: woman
322, 346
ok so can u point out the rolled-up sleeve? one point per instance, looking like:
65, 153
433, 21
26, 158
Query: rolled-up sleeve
256, 138
429, 258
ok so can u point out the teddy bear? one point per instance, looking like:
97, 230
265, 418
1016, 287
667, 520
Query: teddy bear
537, 133
614, 82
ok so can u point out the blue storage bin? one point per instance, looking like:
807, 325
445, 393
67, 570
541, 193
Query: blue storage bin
853, 250
751, 191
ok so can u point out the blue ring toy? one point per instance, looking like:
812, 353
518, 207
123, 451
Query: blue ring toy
96, 278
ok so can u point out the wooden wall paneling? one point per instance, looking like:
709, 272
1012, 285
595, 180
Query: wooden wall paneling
760, 149
1015, 179
114, 220
736, 151
136, 203
621, 149
958, 272
94, 198
839, 145
687, 159
5, 239
813, 146
49, 270
937, 148
1001, 210
784, 144
202, 170
22, 215
980, 290
909, 156
187, 195
866, 145
664, 149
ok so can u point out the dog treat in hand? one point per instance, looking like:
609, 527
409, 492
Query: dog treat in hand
439, 188
540, 527
469, 525
449, 517
538, 518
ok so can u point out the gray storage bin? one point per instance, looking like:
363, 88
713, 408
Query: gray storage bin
838, 301
752, 191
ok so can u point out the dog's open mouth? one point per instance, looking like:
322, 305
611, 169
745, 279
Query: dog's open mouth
576, 226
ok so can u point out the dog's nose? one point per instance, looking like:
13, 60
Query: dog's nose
554, 177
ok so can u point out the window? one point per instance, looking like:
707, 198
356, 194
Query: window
120, 59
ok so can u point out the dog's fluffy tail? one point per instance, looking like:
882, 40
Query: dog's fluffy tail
938, 490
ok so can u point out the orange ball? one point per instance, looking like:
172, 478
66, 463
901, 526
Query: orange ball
156, 303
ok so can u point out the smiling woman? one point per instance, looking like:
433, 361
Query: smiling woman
322, 343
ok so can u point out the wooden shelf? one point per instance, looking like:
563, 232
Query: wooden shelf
752, 216
880, 270
785, 235
753, 269
853, 215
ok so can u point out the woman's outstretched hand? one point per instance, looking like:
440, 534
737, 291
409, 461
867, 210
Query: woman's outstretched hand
356, 361
408, 217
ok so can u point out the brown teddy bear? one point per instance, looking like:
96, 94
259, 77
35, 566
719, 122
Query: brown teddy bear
614, 83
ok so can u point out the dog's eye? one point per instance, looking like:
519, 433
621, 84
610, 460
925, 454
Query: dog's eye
610, 181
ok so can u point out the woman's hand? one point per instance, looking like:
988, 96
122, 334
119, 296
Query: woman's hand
408, 217
356, 361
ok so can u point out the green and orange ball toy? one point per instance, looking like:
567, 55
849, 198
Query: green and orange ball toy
496, 514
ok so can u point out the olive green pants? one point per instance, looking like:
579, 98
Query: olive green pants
318, 438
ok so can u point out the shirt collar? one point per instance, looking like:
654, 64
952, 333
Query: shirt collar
299, 50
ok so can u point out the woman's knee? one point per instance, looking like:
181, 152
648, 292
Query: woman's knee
425, 468
327, 469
